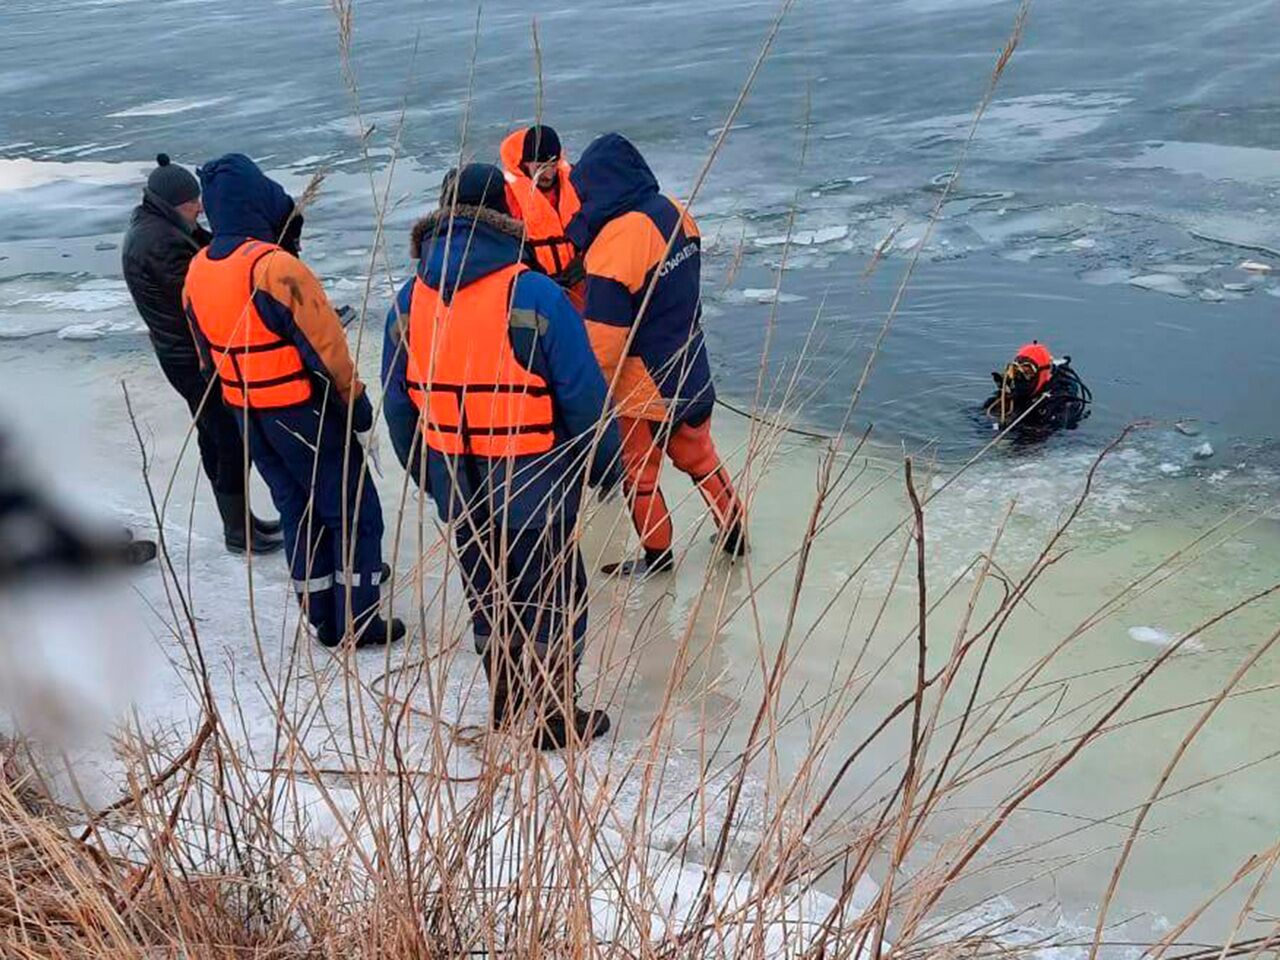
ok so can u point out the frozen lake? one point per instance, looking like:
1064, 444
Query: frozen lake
1128, 167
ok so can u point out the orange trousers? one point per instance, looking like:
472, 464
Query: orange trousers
692, 450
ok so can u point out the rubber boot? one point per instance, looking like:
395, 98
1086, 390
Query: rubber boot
558, 722
320, 612
378, 632
506, 692
232, 507
735, 541
267, 528
653, 562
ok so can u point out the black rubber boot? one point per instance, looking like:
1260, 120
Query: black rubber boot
378, 632
558, 722
735, 541
506, 692
267, 528
232, 510
554, 734
327, 633
233, 528
653, 562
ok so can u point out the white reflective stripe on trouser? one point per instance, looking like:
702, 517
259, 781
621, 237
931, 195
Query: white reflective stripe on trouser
314, 585
358, 579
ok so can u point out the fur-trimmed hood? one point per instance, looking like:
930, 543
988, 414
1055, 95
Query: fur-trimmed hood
480, 242
436, 224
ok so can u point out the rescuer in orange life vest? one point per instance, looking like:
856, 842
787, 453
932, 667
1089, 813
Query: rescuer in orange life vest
541, 195
663, 392
514, 419
262, 322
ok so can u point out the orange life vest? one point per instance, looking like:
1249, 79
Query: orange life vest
473, 395
257, 368
544, 223
1037, 354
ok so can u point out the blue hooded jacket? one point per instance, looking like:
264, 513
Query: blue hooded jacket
611, 178
398, 409
636, 240
242, 204
518, 490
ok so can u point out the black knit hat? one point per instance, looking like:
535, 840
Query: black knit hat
541, 145
173, 184
481, 185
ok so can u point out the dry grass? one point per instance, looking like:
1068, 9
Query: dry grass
377, 823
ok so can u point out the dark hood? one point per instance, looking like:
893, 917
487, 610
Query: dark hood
611, 178
480, 242
242, 203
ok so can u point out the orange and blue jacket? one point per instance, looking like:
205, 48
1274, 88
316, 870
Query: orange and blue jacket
544, 222
624, 225
248, 211
545, 338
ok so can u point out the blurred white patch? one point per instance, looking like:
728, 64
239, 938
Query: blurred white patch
1161, 638
73, 657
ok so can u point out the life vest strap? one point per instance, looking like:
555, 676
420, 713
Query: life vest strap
249, 348
460, 389
267, 382
504, 431
547, 241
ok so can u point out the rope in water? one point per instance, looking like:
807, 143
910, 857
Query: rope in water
766, 421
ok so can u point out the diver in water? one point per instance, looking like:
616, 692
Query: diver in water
1037, 395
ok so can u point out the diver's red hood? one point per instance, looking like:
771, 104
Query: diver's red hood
1037, 353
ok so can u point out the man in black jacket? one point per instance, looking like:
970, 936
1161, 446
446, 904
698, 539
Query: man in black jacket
164, 234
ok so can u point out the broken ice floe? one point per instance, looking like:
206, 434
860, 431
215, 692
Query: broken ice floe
37, 305
1106, 276
836, 185
1162, 283
1161, 638
1183, 269
94, 331
761, 295
167, 108
23, 173
805, 238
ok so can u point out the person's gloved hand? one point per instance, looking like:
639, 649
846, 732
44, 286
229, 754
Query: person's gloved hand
607, 479
573, 274
362, 413
346, 315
